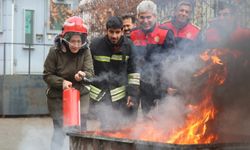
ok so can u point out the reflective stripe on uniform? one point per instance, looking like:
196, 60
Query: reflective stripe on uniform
102, 58
134, 78
94, 93
118, 57
117, 90
118, 96
93, 96
134, 81
118, 93
95, 89
134, 75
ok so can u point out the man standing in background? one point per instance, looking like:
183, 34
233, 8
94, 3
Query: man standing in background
225, 29
128, 24
184, 31
152, 45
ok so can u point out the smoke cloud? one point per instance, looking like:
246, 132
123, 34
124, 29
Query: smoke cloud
177, 69
38, 136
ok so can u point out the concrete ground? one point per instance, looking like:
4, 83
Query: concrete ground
30, 133
34, 133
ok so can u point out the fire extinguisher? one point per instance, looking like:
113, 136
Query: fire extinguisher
71, 107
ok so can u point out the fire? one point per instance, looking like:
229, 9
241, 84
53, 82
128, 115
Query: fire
195, 129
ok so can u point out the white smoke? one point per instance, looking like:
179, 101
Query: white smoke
37, 136
170, 112
179, 71
110, 118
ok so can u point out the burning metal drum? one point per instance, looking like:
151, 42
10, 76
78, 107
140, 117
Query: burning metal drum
91, 141
214, 116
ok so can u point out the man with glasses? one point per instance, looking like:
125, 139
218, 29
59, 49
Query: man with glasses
152, 45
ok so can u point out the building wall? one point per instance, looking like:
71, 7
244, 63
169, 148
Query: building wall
6, 29
22, 95
20, 58
21, 53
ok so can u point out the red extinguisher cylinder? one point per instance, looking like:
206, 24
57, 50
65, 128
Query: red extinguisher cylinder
71, 107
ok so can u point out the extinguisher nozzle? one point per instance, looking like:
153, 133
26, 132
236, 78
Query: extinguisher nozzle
87, 81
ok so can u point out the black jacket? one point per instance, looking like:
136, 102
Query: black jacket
114, 69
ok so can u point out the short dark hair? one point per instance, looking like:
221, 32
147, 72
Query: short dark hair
127, 16
114, 22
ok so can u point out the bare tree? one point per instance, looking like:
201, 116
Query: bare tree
100, 10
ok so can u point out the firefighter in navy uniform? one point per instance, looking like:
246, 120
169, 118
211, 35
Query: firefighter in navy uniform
153, 43
114, 92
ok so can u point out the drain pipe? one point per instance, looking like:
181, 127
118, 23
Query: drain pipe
12, 38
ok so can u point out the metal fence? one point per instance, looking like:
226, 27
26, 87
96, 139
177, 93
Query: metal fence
21, 58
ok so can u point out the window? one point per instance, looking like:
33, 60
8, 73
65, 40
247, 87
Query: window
59, 12
29, 26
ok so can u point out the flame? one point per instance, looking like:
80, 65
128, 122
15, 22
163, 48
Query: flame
195, 129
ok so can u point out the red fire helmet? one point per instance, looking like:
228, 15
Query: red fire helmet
74, 24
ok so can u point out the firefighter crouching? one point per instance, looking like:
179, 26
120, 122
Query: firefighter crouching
114, 91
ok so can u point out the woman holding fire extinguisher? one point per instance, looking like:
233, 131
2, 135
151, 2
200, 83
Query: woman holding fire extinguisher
68, 62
